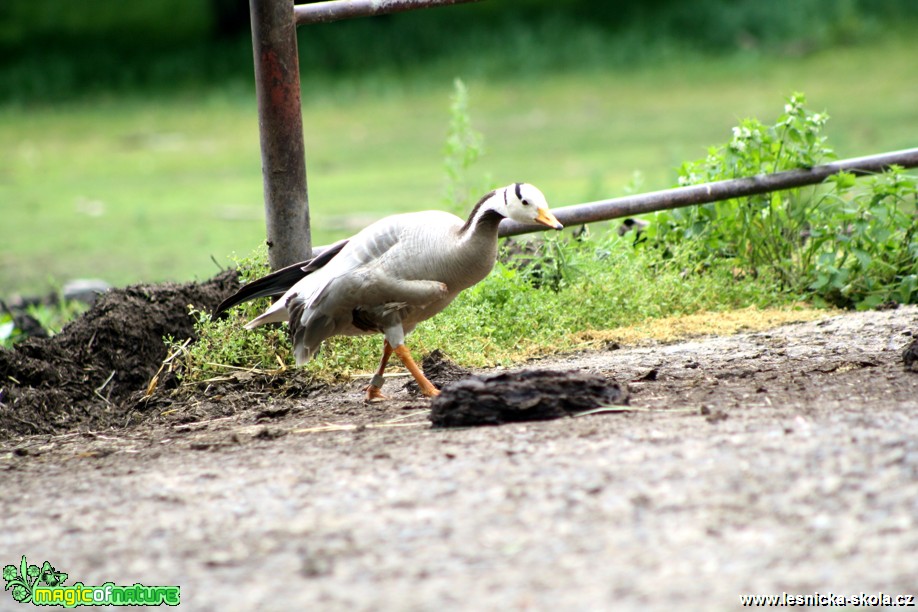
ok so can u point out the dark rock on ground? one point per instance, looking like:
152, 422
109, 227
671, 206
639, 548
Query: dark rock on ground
529, 395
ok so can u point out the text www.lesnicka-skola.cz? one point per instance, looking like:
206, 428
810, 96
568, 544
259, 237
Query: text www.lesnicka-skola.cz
866, 600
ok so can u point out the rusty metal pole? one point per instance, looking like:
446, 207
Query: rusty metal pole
280, 123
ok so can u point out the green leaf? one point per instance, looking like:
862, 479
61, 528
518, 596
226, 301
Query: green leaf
822, 280
843, 180
907, 288
870, 302
863, 257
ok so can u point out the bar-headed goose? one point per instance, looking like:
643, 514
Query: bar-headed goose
389, 277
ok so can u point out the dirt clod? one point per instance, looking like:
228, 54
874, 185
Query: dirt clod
440, 370
910, 356
529, 395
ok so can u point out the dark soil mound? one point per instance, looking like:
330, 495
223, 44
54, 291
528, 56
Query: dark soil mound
83, 376
529, 395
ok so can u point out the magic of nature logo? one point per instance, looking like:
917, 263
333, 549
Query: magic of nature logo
44, 586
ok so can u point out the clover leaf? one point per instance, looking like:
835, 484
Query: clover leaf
51, 576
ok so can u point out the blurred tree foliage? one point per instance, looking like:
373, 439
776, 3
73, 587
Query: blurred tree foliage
57, 49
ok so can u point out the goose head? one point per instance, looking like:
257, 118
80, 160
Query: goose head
524, 203
521, 202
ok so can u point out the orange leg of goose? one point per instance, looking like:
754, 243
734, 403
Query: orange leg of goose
426, 386
374, 390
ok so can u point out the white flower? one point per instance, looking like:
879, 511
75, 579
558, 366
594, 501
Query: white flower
742, 133
818, 119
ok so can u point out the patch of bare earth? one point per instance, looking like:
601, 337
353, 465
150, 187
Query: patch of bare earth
776, 461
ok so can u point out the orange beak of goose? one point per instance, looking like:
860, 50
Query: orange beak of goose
546, 218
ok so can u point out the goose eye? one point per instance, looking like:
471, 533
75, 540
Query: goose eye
525, 202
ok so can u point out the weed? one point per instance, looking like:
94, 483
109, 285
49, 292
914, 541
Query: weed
866, 253
464, 145
223, 342
844, 243
545, 262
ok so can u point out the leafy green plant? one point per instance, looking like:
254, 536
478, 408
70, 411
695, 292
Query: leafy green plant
845, 243
464, 145
224, 343
545, 262
760, 230
868, 254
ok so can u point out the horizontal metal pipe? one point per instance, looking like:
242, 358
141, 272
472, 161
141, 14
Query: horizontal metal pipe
336, 10
628, 206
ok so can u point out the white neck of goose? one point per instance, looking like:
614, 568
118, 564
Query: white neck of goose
486, 214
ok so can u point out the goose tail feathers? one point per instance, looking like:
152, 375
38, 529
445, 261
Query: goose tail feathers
277, 313
277, 283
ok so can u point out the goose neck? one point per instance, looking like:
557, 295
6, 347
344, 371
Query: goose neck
484, 218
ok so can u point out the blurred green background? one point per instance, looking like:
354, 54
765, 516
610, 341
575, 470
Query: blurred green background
128, 131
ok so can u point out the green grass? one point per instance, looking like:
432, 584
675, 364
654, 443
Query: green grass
148, 189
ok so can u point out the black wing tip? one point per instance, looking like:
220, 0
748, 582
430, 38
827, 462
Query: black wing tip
278, 282
263, 287
222, 311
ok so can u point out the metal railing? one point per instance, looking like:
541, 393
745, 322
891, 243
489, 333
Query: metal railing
336, 10
627, 206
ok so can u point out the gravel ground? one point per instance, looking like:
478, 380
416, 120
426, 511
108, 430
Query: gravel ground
779, 461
